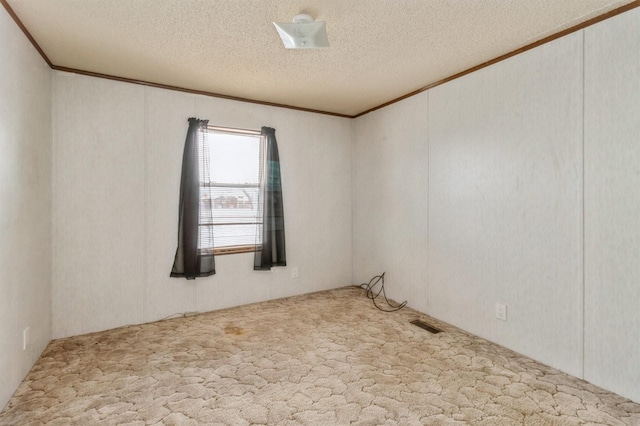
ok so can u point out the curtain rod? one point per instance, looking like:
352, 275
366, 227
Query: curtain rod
234, 130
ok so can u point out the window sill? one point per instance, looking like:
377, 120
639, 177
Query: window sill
234, 250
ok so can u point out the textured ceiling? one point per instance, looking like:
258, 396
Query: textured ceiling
380, 49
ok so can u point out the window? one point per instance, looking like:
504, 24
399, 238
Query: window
230, 185
231, 165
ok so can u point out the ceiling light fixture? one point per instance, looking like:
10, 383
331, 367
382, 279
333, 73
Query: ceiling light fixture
303, 33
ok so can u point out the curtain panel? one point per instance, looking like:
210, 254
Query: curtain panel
190, 261
271, 251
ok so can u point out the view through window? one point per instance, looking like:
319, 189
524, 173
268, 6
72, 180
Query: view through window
230, 176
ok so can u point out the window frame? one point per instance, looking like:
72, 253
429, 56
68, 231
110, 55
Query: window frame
245, 248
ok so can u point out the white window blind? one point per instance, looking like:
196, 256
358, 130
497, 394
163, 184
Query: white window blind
230, 176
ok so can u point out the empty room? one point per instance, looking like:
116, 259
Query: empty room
325, 212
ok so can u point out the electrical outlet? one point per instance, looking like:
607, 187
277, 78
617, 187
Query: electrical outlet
25, 338
501, 311
294, 272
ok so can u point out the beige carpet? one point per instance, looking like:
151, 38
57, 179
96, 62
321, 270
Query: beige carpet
321, 359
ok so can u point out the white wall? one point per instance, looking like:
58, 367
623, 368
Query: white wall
25, 205
117, 158
505, 210
98, 204
504, 202
612, 204
390, 199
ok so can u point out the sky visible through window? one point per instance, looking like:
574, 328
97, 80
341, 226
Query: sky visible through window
234, 158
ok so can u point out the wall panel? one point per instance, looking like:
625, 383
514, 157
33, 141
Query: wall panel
98, 216
390, 198
612, 204
505, 190
25, 205
166, 115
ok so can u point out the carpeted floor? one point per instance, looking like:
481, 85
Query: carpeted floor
321, 359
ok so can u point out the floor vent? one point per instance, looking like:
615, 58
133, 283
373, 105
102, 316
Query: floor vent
423, 325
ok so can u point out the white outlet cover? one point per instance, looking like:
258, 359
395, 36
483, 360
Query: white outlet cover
501, 311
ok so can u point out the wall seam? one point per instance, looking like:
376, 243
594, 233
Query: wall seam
427, 263
583, 245
145, 245
53, 201
354, 136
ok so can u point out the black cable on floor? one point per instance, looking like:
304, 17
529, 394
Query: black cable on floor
373, 295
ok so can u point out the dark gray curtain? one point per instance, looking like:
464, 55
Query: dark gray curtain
191, 261
272, 250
